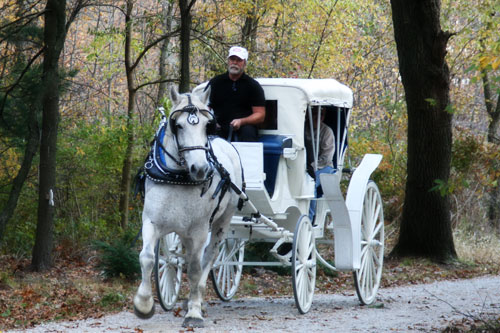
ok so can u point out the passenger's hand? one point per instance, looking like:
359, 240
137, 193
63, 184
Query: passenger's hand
236, 123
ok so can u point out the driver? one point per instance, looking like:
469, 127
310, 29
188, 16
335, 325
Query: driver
237, 99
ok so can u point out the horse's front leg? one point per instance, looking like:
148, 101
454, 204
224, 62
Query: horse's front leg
212, 250
143, 300
194, 249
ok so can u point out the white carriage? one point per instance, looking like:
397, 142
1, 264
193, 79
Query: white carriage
280, 191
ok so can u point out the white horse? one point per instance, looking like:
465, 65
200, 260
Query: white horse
187, 209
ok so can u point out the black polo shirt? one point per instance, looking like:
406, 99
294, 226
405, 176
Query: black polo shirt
234, 99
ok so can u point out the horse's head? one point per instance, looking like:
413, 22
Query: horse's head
190, 123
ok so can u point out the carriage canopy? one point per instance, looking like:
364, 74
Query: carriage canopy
315, 91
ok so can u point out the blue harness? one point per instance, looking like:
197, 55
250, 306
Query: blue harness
156, 168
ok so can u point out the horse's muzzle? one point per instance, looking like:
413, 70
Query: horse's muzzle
199, 172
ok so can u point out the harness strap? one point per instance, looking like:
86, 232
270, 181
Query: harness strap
181, 150
166, 151
224, 184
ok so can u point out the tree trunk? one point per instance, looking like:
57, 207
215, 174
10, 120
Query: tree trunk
127, 162
185, 39
54, 36
249, 29
32, 145
493, 112
494, 138
167, 27
421, 44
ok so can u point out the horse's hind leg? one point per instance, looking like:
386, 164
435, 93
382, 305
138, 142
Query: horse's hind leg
194, 249
143, 300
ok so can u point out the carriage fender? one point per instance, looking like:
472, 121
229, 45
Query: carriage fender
355, 197
347, 215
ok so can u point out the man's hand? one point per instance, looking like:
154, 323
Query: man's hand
258, 115
236, 123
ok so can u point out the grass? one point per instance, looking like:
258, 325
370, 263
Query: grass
483, 247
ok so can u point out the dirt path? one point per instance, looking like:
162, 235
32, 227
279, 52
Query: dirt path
426, 307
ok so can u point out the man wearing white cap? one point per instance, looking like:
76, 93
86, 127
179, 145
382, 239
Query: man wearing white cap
237, 99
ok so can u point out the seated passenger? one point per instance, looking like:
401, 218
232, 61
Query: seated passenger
326, 147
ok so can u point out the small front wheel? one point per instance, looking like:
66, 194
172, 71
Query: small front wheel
367, 277
168, 269
303, 264
227, 268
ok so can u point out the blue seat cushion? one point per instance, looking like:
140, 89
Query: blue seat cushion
273, 148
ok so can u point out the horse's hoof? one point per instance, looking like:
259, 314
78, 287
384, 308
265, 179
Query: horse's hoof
193, 322
203, 307
143, 315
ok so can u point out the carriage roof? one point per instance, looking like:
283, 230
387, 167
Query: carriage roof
315, 91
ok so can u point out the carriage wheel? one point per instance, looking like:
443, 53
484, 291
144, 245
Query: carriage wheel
226, 272
303, 264
168, 269
367, 277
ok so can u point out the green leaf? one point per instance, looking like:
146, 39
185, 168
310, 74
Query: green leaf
431, 101
450, 109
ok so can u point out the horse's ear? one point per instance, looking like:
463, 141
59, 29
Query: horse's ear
174, 95
204, 95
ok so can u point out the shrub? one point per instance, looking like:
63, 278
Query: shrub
118, 259
474, 174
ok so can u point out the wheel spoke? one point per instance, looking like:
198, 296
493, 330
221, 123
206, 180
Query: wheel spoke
364, 248
377, 229
226, 276
376, 259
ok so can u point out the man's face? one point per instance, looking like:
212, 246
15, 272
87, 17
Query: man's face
235, 65
315, 117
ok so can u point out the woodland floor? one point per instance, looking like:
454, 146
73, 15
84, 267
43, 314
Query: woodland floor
74, 289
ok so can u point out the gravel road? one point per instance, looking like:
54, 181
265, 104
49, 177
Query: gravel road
423, 308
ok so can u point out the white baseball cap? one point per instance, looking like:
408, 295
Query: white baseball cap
238, 51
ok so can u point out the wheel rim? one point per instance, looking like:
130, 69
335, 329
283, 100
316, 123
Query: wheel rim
226, 274
168, 270
303, 264
325, 245
367, 277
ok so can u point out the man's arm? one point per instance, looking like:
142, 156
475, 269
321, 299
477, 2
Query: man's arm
327, 147
257, 117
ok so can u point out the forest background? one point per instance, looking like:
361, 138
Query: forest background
118, 57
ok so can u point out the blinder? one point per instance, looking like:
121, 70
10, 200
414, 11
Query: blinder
193, 119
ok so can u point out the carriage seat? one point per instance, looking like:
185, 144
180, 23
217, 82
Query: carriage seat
273, 148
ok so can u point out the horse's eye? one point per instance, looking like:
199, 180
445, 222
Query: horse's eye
179, 127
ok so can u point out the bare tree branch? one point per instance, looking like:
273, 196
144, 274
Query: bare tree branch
151, 45
154, 82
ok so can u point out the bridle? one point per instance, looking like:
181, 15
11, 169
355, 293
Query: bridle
192, 119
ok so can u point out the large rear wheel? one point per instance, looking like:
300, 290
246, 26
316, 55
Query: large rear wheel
168, 269
227, 268
367, 277
303, 264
